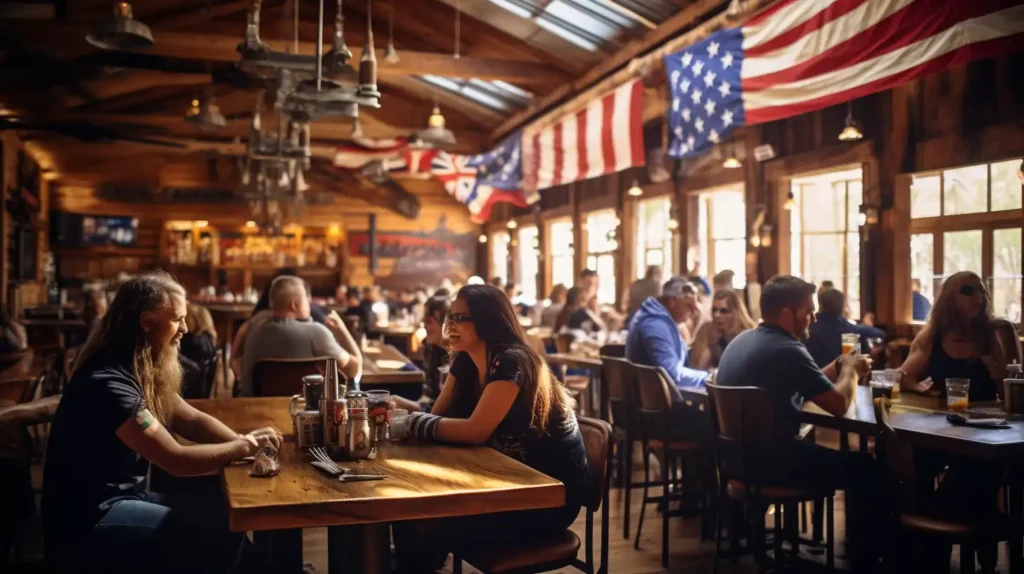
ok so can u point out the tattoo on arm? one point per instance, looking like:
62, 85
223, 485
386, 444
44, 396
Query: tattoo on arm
147, 421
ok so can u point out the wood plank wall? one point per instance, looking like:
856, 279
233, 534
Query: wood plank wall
16, 294
968, 115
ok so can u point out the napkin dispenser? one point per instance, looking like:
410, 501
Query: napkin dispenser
1013, 393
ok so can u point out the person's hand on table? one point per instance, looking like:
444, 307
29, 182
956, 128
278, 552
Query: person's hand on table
404, 403
263, 437
924, 387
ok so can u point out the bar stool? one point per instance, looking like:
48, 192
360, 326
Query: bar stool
657, 403
618, 379
744, 421
562, 551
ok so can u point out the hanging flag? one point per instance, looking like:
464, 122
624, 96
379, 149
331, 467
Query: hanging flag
499, 178
604, 137
363, 151
803, 55
455, 173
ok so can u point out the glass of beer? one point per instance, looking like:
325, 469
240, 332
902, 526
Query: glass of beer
957, 394
851, 343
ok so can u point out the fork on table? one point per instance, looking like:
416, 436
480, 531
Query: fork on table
324, 463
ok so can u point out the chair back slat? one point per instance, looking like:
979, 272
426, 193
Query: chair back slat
563, 342
618, 379
896, 455
653, 392
613, 350
283, 377
1008, 339
597, 437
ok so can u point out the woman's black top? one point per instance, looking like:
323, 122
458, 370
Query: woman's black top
559, 453
435, 357
941, 366
583, 319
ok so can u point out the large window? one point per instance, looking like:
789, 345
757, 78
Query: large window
601, 246
560, 251
824, 235
721, 224
968, 219
654, 236
499, 256
529, 263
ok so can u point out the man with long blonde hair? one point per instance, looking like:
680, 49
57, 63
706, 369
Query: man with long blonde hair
116, 416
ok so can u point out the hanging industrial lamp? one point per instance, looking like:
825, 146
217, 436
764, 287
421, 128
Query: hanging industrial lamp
731, 161
121, 32
851, 132
635, 190
368, 63
436, 134
391, 54
790, 203
336, 60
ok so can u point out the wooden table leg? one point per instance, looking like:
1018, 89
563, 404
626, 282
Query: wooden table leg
363, 549
282, 549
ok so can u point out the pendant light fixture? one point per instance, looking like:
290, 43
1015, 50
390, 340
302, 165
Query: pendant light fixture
735, 9
391, 54
851, 132
121, 32
731, 161
482, 238
790, 203
436, 134
368, 63
635, 190
458, 29
336, 60
512, 224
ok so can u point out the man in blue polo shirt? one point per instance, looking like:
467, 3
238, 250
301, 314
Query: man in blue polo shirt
773, 357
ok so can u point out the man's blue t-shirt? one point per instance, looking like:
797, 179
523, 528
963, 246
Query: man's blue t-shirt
770, 358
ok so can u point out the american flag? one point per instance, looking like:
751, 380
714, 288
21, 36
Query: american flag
803, 55
499, 178
604, 137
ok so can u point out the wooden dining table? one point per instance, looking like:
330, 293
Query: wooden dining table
386, 368
425, 481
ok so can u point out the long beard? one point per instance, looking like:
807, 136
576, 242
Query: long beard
160, 377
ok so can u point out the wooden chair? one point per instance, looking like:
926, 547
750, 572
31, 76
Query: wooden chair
908, 522
283, 377
744, 422
1008, 339
561, 551
653, 411
617, 377
578, 385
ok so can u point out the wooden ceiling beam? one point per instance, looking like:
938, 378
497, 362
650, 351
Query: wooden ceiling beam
688, 17
130, 81
477, 112
222, 48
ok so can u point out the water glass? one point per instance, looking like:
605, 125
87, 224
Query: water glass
378, 397
957, 394
399, 424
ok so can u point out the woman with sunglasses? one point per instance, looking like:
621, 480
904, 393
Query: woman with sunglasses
958, 341
729, 318
499, 392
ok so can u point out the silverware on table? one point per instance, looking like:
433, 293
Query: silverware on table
324, 463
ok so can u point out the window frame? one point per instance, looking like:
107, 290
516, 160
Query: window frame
612, 252
492, 241
521, 254
549, 253
987, 222
669, 241
706, 243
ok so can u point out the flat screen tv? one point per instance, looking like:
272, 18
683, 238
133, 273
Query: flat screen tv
78, 230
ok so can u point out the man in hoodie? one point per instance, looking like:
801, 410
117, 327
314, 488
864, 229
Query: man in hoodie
654, 338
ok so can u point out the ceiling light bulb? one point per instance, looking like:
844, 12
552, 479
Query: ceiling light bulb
673, 224
851, 132
790, 202
436, 120
482, 238
121, 32
512, 224
731, 163
250, 224
635, 190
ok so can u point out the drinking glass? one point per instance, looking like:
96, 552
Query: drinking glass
399, 424
957, 393
378, 397
890, 375
851, 342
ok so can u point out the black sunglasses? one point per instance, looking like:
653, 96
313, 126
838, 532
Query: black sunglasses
720, 310
458, 318
968, 290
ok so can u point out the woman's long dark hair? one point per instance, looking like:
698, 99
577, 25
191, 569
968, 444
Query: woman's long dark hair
498, 327
572, 304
